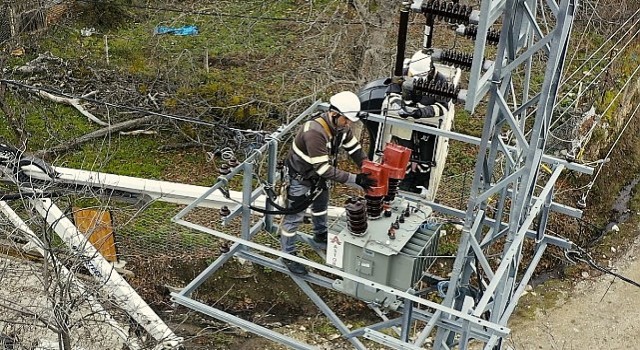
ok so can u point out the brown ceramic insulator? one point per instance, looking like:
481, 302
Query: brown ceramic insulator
356, 216
391, 233
392, 190
224, 211
357, 226
374, 206
233, 162
224, 169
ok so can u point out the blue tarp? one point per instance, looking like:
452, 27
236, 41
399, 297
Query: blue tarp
185, 30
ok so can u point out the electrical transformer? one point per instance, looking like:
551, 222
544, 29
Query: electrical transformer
385, 238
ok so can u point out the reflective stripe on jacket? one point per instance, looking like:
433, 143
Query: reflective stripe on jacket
313, 150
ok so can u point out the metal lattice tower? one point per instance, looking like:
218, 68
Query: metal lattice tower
509, 196
509, 189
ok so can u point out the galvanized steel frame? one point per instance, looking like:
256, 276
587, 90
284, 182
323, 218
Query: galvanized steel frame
512, 189
518, 204
245, 248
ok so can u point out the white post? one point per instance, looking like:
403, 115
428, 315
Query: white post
106, 49
112, 283
38, 245
206, 60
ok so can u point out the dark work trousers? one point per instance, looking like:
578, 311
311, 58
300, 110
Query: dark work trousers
297, 193
417, 175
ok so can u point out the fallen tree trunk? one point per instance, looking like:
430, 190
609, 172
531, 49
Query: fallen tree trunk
75, 143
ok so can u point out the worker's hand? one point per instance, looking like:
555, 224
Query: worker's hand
414, 113
417, 113
365, 181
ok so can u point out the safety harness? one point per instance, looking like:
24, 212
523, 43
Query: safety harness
317, 185
325, 126
301, 177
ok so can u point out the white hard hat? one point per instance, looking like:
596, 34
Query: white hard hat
420, 63
347, 103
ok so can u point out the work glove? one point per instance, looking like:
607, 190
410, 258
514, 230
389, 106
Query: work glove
365, 181
414, 113
417, 113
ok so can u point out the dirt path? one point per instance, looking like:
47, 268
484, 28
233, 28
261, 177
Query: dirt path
591, 317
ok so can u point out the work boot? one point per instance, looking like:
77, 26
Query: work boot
295, 267
320, 238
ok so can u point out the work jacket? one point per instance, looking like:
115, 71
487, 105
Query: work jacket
430, 108
315, 147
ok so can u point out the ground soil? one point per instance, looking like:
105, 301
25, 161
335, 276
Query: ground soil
600, 313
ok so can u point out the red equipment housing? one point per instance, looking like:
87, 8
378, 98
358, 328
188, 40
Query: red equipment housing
396, 158
379, 173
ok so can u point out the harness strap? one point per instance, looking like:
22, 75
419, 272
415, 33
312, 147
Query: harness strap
325, 126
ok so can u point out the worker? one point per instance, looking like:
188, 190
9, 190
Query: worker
404, 102
311, 163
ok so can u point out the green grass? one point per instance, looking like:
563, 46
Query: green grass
546, 297
131, 156
246, 61
48, 122
234, 41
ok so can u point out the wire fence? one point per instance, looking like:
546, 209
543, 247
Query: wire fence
454, 190
151, 233
143, 231
25, 16
571, 136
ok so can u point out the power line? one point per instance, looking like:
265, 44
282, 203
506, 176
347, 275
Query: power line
219, 14
588, 59
615, 143
583, 256
135, 109
618, 53
609, 39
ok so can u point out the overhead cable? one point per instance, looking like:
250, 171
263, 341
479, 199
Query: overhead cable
593, 180
557, 119
603, 69
621, 26
135, 109
219, 14
582, 256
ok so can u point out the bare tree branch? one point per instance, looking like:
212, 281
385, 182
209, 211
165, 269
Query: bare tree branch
73, 102
72, 144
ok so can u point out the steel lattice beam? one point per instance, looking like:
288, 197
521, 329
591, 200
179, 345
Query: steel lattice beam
502, 208
507, 188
